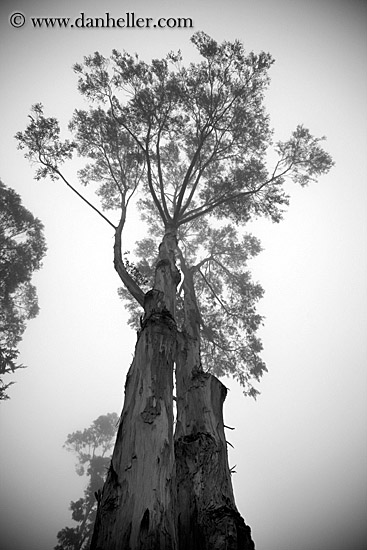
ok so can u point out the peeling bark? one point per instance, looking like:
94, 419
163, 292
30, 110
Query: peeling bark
137, 504
137, 509
207, 515
162, 494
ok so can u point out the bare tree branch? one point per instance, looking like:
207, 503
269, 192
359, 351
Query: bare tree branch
125, 277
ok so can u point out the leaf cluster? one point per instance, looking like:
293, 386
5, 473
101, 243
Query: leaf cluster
116, 162
22, 247
93, 441
42, 144
227, 298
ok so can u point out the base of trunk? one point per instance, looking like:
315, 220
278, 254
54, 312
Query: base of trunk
207, 515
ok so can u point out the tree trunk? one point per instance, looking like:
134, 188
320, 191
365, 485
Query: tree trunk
207, 517
143, 506
137, 506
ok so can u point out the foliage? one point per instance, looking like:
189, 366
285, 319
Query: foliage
44, 148
116, 160
22, 247
91, 447
226, 297
194, 141
93, 441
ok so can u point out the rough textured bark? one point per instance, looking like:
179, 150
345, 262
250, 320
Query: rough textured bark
160, 494
207, 517
136, 510
137, 506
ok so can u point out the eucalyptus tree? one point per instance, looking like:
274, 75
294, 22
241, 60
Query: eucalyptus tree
22, 247
190, 144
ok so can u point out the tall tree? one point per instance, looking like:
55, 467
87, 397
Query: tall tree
22, 247
193, 142
91, 446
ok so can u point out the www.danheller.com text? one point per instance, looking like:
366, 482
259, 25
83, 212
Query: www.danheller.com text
129, 21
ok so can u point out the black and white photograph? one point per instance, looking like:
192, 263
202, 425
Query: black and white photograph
183, 275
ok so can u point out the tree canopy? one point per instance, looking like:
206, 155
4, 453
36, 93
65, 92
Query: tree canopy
22, 247
190, 144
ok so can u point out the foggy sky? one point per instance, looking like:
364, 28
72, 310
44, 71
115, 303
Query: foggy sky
300, 450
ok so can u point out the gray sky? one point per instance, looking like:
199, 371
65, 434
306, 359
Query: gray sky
301, 449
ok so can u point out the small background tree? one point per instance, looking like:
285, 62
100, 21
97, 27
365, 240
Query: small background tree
91, 446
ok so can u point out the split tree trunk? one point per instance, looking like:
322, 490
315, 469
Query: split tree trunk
160, 494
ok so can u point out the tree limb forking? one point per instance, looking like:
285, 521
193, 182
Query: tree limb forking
152, 191
195, 184
125, 277
214, 293
206, 209
187, 178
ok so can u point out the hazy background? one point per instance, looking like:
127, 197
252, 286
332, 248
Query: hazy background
301, 449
